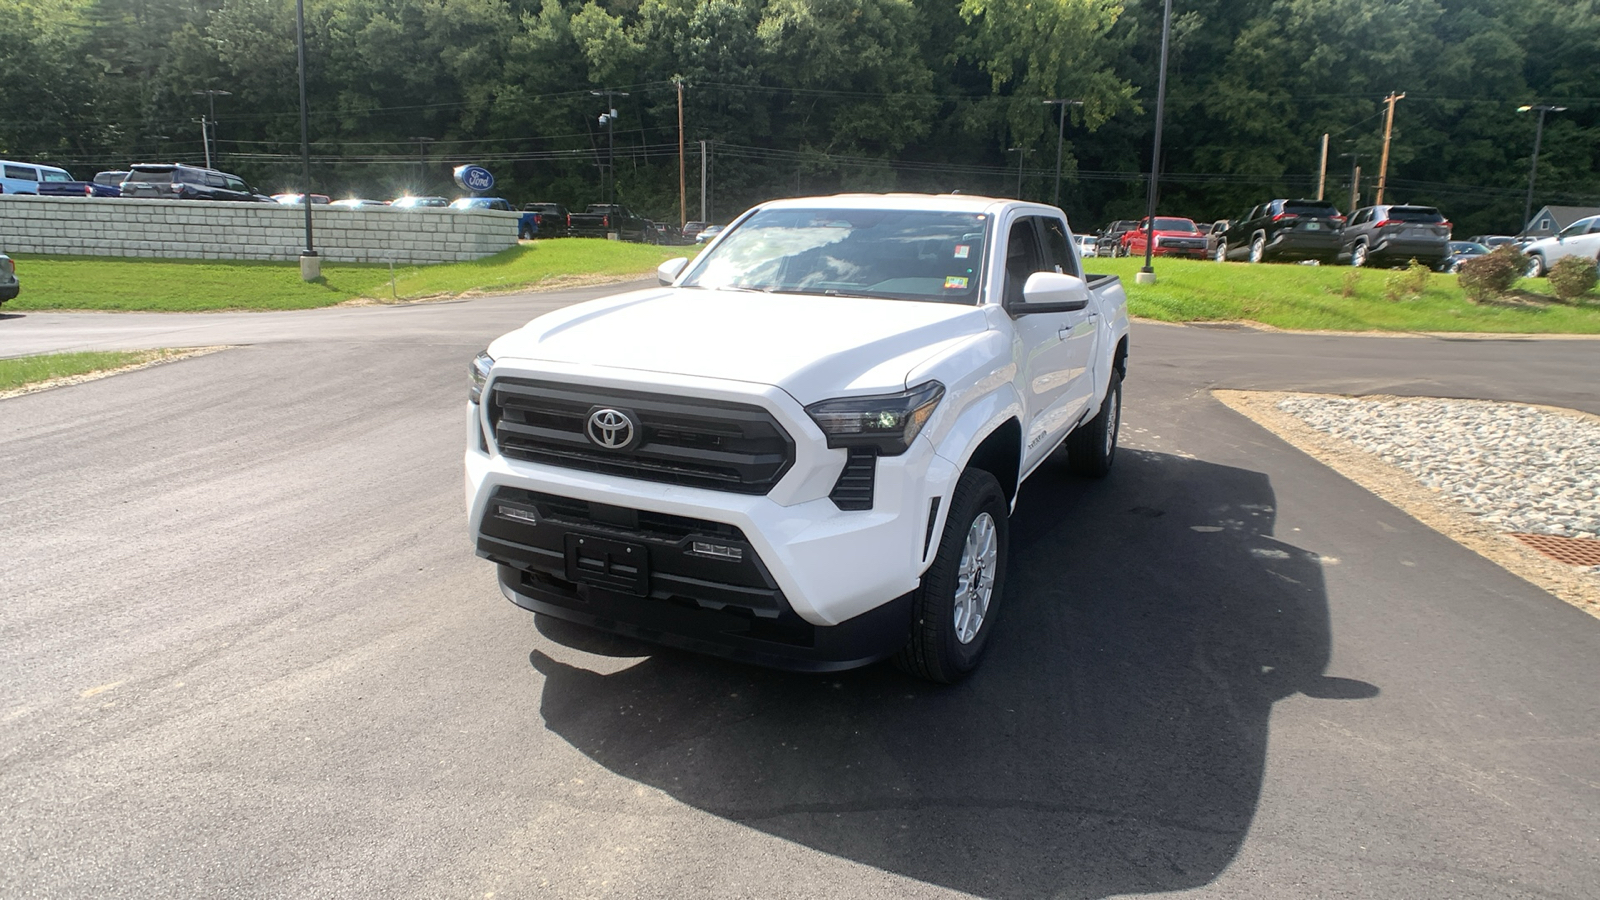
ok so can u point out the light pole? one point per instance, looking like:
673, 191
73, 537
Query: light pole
609, 120
1355, 179
1147, 274
1061, 132
1022, 154
1533, 169
422, 160
211, 95
310, 264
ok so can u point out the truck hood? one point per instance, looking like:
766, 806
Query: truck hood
813, 347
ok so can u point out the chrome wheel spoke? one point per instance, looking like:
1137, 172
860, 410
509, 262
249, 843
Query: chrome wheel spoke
975, 578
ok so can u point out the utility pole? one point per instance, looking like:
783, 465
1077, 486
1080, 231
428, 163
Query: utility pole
704, 159
1388, 129
1355, 180
310, 263
1322, 173
609, 120
1147, 273
1533, 169
1061, 131
422, 161
211, 95
683, 183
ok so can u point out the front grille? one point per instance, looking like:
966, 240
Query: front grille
713, 444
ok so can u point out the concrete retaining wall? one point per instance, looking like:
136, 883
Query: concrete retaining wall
204, 229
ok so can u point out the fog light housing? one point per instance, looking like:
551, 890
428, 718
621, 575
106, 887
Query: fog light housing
712, 550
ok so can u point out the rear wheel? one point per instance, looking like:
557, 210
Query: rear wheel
1258, 248
1091, 449
953, 611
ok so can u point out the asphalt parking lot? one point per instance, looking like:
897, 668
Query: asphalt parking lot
247, 651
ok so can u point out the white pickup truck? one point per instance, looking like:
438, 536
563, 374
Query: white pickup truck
801, 450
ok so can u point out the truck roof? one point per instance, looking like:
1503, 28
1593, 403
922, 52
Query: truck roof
967, 203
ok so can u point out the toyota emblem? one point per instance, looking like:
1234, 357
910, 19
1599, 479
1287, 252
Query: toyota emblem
612, 429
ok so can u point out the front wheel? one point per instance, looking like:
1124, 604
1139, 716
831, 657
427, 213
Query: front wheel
1358, 254
953, 611
1091, 449
1222, 251
1536, 267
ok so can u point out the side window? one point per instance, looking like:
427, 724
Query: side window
25, 173
1022, 258
235, 184
1594, 225
216, 181
1058, 248
1361, 217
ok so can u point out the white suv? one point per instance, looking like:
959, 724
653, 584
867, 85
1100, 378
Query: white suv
1581, 239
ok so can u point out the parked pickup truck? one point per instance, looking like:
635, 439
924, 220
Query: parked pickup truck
105, 184
802, 449
601, 219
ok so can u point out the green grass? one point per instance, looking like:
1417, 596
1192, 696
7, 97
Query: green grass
1311, 298
26, 370
76, 282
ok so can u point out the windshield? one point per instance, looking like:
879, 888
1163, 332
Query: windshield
895, 254
1175, 225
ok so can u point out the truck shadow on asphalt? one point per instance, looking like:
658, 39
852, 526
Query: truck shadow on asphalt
1113, 742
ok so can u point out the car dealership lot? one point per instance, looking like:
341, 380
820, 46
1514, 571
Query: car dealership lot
247, 651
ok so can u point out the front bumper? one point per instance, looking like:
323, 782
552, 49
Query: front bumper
815, 587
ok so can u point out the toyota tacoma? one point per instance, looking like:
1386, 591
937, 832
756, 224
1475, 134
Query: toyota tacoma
801, 450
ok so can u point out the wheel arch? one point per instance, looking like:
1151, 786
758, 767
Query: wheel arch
1000, 454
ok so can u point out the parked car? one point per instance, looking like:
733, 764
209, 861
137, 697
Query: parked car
25, 177
1460, 252
420, 202
1172, 237
177, 181
691, 229
1493, 240
526, 223
1580, 239
357, 203
549, 220
1281, 230
601, 219
1109, 243
100, 186
762, 459
1085, 244
297, 199
1392, 234
9, 285
707, 233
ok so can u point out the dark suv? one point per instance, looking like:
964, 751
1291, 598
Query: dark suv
1385, 235
1109, 242
1282, 230
549, 220
176, 181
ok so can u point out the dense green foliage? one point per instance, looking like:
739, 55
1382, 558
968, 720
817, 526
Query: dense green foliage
804, 96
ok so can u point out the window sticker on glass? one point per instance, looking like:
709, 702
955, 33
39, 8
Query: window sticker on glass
962, 250
955, 283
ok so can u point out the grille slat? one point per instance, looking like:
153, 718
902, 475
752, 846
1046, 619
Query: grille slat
700, 443
854, 489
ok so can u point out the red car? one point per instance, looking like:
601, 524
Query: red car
1173, 237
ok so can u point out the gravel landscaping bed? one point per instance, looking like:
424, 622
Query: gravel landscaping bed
1516, 468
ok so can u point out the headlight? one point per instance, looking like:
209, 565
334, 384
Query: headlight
888, 422
479, 373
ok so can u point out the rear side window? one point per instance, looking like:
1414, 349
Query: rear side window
25, 173
235, 184
1424, 214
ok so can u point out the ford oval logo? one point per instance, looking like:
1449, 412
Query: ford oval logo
612, 429
474, 178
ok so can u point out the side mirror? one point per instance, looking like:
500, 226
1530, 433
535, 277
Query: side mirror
1053, 292
668, 272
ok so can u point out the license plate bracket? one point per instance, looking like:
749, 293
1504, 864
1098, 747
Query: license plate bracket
604, 563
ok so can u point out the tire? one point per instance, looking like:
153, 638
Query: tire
951, 617
1536, 267
1093, 447
1258, 248
1358, 254
1222, 251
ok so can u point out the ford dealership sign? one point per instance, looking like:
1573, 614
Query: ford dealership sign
474, 178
